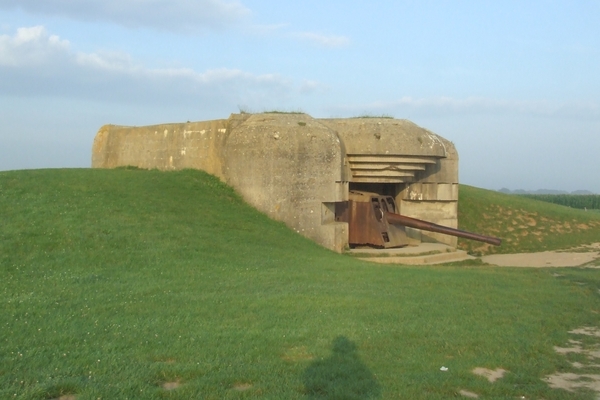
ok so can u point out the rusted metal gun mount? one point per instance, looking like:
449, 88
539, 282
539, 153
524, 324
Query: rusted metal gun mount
373, 221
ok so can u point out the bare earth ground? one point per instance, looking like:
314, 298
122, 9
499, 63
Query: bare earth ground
587, 375
576, 257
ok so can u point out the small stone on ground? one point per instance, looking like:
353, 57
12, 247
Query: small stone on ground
468, 394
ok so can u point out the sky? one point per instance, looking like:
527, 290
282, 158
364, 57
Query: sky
515, 85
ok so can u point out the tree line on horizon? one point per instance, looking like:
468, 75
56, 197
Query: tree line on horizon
544, 191
580, 201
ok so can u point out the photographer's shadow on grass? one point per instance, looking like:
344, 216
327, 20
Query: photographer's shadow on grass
340, 376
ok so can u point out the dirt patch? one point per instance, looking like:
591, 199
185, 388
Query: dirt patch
466, 393
489, 374
578, 349
171, 385
579, 365
586, 330
574, 258
482, 249
295, 354
572, 381
242, 386
67, 397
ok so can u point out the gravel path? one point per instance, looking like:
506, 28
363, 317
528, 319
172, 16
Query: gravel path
575, 258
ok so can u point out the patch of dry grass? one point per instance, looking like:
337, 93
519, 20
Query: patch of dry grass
525, 225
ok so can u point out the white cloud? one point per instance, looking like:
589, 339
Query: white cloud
123, 64
33, 62
323, 40
107, 61
30, 46
168, 15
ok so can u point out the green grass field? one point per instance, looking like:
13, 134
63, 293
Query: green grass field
132, 284
524, 224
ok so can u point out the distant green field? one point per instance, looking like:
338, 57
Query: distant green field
131, 284
585, 201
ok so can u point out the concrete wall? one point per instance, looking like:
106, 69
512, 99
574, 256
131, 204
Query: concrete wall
295, 168
195, 145
290, 166
386, 137
434, 197
428, 187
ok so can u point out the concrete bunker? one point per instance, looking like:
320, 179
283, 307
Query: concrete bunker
307, 172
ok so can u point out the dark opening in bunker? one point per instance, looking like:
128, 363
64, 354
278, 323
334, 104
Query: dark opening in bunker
384, 189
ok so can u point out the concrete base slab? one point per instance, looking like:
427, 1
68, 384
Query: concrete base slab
423, 254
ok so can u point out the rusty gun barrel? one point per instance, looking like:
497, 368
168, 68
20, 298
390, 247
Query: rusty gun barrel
398, 219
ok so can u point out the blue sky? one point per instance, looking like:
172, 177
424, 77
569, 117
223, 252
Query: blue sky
514, 84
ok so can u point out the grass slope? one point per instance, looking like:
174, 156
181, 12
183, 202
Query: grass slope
524, 224
133, 284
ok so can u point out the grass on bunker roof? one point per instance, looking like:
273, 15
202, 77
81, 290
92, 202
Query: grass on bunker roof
146, 284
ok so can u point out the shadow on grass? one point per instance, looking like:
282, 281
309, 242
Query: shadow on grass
340, 376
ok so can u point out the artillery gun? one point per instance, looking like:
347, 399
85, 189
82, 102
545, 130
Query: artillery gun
373, 221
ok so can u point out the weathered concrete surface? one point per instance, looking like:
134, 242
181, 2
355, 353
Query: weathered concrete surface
416, 166
434, 196
167, 146
296, 168
423, 254
382, 136
291, 167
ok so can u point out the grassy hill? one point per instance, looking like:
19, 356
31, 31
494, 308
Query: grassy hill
524, 224
144, 284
